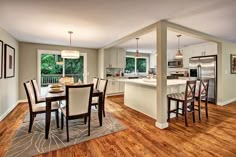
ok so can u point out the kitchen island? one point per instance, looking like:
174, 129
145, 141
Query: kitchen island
140, 94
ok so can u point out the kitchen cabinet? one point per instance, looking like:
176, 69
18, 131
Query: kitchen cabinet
198, 50
114, 86
115, 58
153, 60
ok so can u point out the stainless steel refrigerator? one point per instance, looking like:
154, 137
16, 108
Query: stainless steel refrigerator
205, 67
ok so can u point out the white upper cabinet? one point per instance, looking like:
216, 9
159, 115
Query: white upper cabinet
114, 58
198, 50
153, 59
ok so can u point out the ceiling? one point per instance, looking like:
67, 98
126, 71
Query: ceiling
147, 42
97, 23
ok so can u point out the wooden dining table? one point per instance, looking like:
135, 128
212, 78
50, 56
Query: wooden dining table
50, 97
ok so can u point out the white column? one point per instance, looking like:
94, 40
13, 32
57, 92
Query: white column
161, 121
101, 66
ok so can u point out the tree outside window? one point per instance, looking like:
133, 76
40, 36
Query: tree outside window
136, 64
130, 65
141, 65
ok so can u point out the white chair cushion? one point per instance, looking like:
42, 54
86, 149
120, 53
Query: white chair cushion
179, 96
42, 106
95, 100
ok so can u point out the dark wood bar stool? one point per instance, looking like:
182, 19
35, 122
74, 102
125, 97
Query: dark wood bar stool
202, 94
187, 99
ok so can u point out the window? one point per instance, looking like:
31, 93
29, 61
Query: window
141, 65
130, 65
136, 64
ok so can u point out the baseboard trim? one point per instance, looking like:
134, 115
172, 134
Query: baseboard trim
12, 108
223, 103
161, 125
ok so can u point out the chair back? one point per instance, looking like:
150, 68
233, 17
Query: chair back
102, 86
190, 91
203, 88
36, 90
78, 99
30, 94
95, 82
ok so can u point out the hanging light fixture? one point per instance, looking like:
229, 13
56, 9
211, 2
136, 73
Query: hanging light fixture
137, 52
178, 55
70, 54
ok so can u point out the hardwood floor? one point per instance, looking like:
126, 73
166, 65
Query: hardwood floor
215, 137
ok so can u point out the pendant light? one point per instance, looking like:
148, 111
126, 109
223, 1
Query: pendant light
178, 55
137, 52
70, 54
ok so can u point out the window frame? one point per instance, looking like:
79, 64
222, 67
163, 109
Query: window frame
135, 66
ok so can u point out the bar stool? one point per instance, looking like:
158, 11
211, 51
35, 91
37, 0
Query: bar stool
202, 94
186, 98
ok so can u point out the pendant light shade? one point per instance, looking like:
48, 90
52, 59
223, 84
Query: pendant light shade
178, 55
70, 54
137, 51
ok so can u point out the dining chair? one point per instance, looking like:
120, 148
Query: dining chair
95, 82
102, 86
38, 108
37, 93
202, 94
78, 105
186, 98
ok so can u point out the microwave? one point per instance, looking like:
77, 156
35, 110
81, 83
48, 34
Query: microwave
177, 63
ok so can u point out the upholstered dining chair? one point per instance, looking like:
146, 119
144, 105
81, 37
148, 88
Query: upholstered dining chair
186, 98
37, 93
78, 105
202, 94
38, 108
102, 86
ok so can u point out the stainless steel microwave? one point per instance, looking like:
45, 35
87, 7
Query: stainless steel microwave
177, 63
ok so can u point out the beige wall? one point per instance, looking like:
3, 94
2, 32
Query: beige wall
9, 86
228, 87
28, 62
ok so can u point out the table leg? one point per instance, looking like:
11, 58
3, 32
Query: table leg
48, 118
100, 106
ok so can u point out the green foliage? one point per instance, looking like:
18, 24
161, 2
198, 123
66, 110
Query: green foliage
130, 65
72, 66
48, 64
141, 65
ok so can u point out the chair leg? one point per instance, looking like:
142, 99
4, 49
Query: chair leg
67, 130
85, 120
57, 118
193, 112
206, 107
185, 113
177, 109
62, 121
89, 124
168, 109
199, 108
32, 116
103, 108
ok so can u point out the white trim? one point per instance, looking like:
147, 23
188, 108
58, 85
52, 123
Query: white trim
11, 109
223, 103
40, 52
161, 125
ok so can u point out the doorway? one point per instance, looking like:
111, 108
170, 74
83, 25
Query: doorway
51, 67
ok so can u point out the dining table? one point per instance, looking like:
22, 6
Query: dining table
59, 96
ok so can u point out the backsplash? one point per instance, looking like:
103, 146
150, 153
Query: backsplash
114, 71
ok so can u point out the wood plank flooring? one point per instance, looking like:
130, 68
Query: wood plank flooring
213, 137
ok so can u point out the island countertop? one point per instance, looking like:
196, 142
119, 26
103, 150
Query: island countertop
152, 82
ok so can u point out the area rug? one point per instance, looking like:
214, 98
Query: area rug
27, 144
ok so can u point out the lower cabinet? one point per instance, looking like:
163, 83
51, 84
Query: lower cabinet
114, 87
